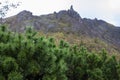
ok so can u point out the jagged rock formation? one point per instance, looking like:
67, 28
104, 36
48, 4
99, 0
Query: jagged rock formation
71, 12
68, 21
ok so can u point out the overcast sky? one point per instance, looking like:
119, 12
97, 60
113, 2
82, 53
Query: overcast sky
108, 10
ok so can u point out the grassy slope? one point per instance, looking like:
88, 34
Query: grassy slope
92, 44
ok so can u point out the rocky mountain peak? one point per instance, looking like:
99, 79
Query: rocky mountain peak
24, 15
71, 12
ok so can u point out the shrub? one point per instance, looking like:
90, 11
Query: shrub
26, 56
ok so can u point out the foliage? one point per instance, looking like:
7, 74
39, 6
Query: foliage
5, 7
15, 76
27, 56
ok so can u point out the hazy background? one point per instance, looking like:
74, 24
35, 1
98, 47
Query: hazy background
108, 10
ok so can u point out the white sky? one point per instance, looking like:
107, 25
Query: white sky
108, 10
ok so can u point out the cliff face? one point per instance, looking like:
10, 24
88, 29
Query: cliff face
67, 21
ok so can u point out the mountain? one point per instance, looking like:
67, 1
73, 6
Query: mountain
68, 22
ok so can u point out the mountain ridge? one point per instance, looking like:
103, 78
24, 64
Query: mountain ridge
67, 21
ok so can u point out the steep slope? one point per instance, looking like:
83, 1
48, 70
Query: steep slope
66, 21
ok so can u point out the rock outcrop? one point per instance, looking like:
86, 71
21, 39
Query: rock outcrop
71, 12
24, 15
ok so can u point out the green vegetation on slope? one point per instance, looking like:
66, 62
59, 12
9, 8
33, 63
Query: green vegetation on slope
30, 57
92, 44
